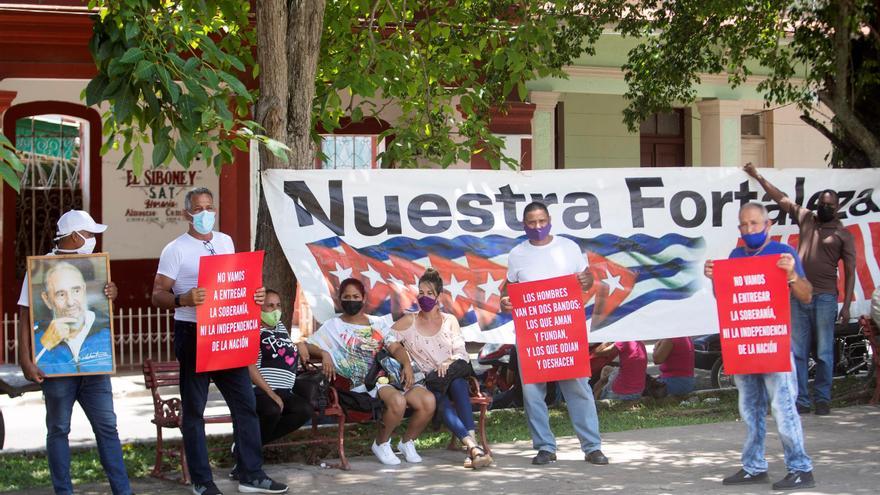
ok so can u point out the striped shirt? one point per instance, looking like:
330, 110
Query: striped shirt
277, 358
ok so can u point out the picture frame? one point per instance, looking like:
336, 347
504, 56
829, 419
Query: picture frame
71, 317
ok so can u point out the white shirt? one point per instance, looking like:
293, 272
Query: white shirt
179, 261
528, 262
24, 299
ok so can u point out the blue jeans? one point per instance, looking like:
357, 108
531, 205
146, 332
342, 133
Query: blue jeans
95, 395
779, 389
455, 408
814, 322
235, 385
581, 410
678, 385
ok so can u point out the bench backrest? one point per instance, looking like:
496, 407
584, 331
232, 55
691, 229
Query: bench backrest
161, 374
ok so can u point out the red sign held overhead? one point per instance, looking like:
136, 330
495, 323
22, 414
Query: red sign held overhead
551, 329
229, 320
754, 315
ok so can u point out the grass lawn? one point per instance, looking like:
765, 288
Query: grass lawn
22, 471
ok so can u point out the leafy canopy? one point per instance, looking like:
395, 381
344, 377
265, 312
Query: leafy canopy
175, 72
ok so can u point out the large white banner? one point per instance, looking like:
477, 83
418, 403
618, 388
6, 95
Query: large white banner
645, 232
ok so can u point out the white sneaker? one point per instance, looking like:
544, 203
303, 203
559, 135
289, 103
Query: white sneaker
409, 451
385, 454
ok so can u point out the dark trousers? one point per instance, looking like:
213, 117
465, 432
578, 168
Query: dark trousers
276, 422
235, 385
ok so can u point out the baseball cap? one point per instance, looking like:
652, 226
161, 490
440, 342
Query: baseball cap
75, 220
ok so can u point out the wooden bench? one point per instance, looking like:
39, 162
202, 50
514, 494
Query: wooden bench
167, 414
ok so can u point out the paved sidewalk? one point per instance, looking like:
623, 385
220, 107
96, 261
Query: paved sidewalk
845, 448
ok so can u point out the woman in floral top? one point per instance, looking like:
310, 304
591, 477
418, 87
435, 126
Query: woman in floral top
348, 345
434, 341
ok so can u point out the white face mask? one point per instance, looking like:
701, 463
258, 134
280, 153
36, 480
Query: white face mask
88, 246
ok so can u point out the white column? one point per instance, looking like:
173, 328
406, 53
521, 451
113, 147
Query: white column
720, 133
544, 129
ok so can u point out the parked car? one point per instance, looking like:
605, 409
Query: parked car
852, 354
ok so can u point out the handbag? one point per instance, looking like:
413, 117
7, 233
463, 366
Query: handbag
457, 369
383, 365
312, 385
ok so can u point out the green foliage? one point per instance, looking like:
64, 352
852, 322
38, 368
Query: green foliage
172, 74
10, 165
791, 41
446, 65
174, 71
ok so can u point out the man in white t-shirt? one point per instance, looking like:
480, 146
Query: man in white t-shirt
541, 257
94, 393
175, 287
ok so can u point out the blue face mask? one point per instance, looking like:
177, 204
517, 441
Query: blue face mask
756, 240
203, 222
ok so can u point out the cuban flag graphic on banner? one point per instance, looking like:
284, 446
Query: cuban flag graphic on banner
633, 272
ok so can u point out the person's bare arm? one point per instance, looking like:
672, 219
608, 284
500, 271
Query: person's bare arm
404, 322
304, 354
31, 371
606, 349
801, 288
163, 297
599, 307
402, 357
849, 277
326, 361
774, 192
662, 349
258, 380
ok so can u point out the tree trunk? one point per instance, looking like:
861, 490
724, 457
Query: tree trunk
277, 34
304, 26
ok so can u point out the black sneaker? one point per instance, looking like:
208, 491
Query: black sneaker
208, 488
544, 457
742, 477
265, 485
233, 475
596, 457
801, 409
822, 409
795, 480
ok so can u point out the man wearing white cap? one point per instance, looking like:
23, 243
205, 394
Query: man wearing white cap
75, 235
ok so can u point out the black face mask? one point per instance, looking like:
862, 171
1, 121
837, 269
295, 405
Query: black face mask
351, 308
826, 213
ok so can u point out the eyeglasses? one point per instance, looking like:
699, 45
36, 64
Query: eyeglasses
209, 247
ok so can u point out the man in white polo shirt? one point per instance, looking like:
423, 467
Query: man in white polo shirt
175, 287
540, 257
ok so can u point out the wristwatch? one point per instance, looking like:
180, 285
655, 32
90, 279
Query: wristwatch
177, 301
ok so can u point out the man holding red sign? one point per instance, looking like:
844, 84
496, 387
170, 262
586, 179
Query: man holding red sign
544, 256
756, 390
176, 287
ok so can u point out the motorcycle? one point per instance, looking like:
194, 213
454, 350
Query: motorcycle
502, 380
852, 354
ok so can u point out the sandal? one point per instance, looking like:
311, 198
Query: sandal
478, 458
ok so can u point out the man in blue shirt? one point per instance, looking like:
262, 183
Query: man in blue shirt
778, 389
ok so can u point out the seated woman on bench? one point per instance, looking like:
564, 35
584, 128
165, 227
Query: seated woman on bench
434, 341
281, 411
348, 345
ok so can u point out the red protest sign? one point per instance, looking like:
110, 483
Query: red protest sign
229, 320
754, 315
551, 329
